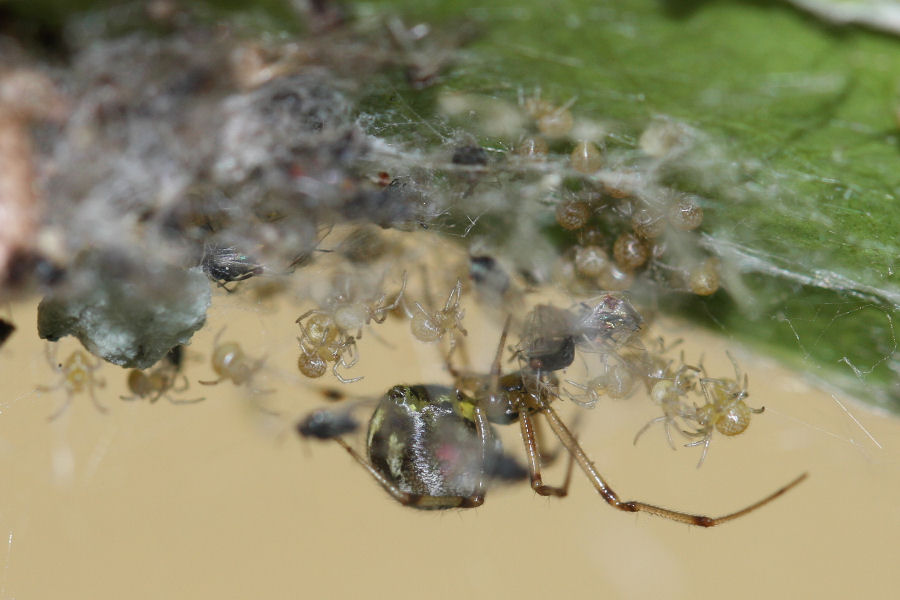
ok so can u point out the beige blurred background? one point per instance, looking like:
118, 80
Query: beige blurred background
215, 500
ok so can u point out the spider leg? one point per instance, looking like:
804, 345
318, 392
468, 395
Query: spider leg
182, 400
351, 346
612, 498
534, 459
184, 387
51, 388
62, 408
647, 426
93, 396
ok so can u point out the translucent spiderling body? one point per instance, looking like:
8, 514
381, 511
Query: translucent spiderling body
76, 377
586, 158
616, 380
573, 215
310, 363
724, 411
552, 121
157, 382
532, 147
668, 391
432, 326
647, 223
591, 261
556, 122
231, 363
686, 213
329, 335
703, 279
630, 252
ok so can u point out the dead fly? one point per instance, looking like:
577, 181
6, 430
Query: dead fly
223, 265
434, 447
548, 342
327, 424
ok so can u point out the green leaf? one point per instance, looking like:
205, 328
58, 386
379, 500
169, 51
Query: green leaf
799, 155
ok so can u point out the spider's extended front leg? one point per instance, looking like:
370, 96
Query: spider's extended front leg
610, 496
349, 346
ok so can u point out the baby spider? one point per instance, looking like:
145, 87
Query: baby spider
327, 335
432, 326
616, 379
77, 375
231, 363
157, 382
348, 313
725, 410
434, 447
552, 121
321, 343
667, 391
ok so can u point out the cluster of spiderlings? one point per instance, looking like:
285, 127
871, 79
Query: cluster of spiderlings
355, 299
673, 386
622, 223
328, 334
617, 217
164, 380
607, 330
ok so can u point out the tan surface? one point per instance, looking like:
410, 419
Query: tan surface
212, 501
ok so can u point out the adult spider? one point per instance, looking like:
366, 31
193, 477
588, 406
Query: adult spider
432, 446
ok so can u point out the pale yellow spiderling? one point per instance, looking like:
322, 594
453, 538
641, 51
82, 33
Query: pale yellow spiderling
76, 376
